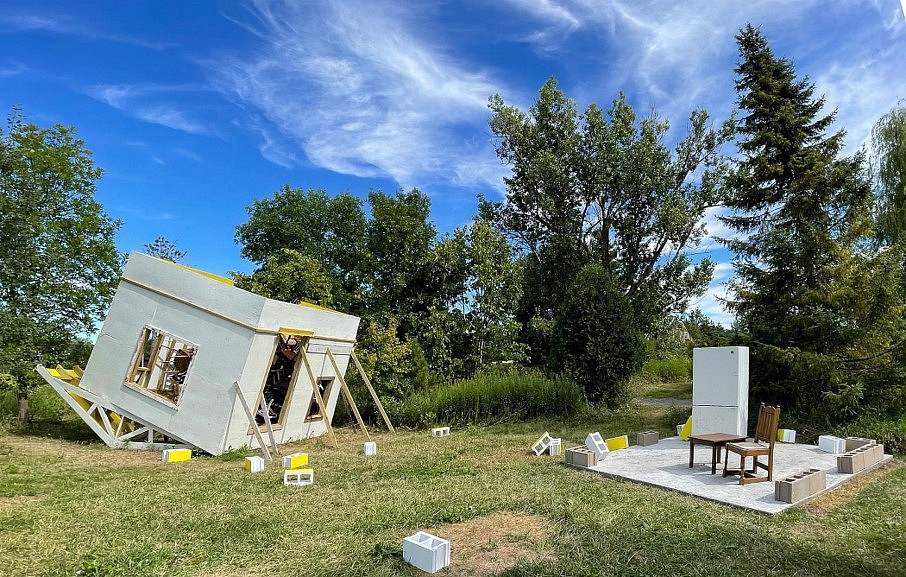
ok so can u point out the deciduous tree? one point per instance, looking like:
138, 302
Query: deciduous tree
58, 262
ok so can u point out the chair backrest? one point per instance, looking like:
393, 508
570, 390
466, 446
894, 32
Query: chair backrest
768, 423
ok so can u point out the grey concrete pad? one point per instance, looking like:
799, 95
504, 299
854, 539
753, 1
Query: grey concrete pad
666, 465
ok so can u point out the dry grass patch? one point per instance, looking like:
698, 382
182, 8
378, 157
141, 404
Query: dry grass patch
826, 503
491, 544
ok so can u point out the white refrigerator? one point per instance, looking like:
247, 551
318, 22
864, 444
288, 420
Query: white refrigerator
720, 390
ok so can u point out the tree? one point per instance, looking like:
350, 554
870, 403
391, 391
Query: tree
820, 307
59, 265
888, 142
597, 342
289, 276
607, 190
163, 249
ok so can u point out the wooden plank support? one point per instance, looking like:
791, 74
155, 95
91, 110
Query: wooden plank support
346, 393
374, 396
251, 417
317, 393
268, 425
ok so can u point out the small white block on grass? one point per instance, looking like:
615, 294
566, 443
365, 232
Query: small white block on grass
596, 443
554, 447
426, 552
831, 444
371, 448
254, 464
541, 444
440, 431
298, 477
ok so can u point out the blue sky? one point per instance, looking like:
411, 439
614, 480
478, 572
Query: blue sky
194, 109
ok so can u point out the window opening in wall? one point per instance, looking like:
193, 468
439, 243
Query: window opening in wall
315, 412
161, 364
280, 378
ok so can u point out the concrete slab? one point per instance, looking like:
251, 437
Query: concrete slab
666, 465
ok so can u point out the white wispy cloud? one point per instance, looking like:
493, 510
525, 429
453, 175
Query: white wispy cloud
65, 24
363, 92
151, 103
13, 69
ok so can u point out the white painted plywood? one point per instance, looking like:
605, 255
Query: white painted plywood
720, 376
712, 419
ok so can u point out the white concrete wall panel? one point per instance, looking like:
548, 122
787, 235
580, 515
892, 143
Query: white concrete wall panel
720, 376
714, 419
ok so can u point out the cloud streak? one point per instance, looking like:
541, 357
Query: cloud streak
153, 104
362, 92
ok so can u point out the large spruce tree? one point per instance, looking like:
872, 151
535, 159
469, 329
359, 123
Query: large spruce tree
821, 309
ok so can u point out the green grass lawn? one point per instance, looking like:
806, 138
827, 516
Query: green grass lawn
76, 508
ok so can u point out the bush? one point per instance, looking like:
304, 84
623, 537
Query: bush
489, 398
890, 430
596, 340
672, 370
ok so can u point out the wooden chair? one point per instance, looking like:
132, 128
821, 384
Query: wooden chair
765, 432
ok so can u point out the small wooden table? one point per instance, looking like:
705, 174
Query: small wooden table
715, 441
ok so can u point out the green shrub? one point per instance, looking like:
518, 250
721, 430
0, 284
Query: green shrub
888, 430
489, 398
672, 370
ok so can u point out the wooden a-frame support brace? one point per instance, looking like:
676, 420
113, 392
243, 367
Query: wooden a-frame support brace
374, 396
318, 399
254, 425
345, 390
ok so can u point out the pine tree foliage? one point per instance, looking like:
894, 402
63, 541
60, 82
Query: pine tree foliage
821, 308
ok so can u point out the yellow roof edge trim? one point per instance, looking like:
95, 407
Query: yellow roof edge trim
211, 276
319, 307
295, 332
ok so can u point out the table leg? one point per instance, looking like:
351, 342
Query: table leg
714, 453
691, 452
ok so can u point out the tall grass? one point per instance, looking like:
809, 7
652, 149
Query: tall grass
671, 370
490, 398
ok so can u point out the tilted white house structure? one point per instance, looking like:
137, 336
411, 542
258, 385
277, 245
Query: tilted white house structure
185, 357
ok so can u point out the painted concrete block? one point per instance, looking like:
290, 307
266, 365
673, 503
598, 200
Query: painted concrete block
176, 455
370, 448
581, 457
554, 447
856, 442
298, 477
254, 464
440, 431
786, 435
831, 444
295, 460
541, 445
617, 443
426, 552
646, 438
595, 443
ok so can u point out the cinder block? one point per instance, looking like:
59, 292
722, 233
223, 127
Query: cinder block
254, 464
176, 455
878, 450
786, 435
541, 445
554, 447
817, 480
298, 477
595, 443
426, 552
617, 443
831, 444
856, 442
295, 460
855, 460
370, 448
440, 431
792, 489
581, 457
646, 438
846, 464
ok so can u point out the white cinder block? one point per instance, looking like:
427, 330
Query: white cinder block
426, 552
371, 448
298, 477
440, 431
254, 464
541, 445
786, 435
831, 444
595, 443
554, 447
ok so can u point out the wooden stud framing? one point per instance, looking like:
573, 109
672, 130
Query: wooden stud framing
251, 417
374, 396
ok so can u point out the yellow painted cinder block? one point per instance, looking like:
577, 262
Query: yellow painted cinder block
176, 455
617, 443
295, 460
686, 431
